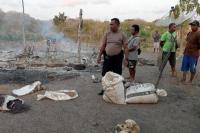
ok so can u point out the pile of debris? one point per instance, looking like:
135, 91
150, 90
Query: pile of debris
29, 76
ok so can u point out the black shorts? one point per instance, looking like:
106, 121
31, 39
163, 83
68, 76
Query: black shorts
113, 63
132, 64
171, 59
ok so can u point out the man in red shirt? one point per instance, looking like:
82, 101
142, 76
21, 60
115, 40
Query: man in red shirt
191, 52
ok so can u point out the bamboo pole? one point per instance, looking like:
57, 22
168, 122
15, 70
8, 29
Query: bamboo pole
79, 34
23, 31
181, 39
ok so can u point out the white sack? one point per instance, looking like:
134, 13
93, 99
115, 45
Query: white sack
59, 95
141, 93
113, 88
27, 89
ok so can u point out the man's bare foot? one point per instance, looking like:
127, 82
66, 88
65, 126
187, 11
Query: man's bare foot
190, 82
127, 77
183, 80
174, 74
101, 93
130, 80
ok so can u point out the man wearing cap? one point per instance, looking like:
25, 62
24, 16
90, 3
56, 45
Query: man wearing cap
114, 47
191, 52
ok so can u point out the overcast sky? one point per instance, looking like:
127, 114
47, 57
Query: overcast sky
96, 9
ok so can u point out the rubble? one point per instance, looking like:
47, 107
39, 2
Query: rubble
68, 68
26, 76
18, 67
95, 79
77, 66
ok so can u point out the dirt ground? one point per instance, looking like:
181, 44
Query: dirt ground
177, 113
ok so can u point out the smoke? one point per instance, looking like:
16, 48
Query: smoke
63, 43
35, 30
37, 33
11, 27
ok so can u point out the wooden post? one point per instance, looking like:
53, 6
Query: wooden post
23, 32
181, 39
79, 35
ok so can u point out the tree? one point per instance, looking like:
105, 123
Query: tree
60, 19
186, 6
